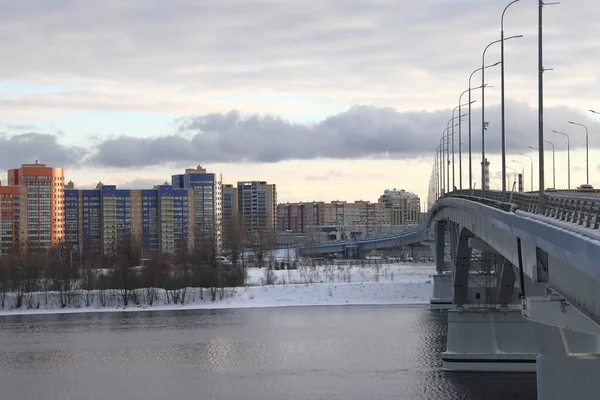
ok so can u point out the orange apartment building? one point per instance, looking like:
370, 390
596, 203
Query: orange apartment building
32, 207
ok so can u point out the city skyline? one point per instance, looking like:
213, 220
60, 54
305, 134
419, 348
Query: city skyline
363, 96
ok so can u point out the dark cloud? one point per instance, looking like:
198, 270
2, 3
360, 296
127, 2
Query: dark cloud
361, 131
28, 147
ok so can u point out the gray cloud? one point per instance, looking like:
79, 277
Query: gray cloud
360, 132
28, 147
346, 50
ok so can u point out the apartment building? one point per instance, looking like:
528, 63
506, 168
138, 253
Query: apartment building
257, 206
402, 207
10, 207
208, 212
32, 208
160, 219
229, 211
299, 217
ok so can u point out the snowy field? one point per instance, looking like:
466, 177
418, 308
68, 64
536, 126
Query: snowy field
404, 283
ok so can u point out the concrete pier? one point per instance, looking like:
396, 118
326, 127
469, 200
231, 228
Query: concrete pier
505, 341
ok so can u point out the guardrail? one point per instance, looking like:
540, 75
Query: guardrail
584, 211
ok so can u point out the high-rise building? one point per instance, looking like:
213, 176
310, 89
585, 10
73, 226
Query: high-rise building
9, 218
207, 202
257, 205
36, 221
159, 219
230, 212
402, 207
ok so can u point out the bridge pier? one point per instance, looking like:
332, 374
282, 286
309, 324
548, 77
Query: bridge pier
505, 341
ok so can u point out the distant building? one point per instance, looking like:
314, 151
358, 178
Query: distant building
32, 210
229, 210
159, 219
401, 207
207, 202
299, 217
257, 205
10, 205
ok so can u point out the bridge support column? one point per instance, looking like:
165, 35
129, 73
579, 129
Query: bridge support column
568, 377
442, 280
506, 284
462, 268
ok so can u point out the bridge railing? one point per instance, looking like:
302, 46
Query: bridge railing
584, 211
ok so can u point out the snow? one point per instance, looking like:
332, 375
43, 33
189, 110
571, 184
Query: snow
404, 283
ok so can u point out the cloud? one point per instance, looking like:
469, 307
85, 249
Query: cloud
360, 132
28, 147
19, 127
147, 54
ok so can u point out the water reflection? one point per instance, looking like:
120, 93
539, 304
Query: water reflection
378, 352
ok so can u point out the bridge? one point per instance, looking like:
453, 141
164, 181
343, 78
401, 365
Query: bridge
522, 284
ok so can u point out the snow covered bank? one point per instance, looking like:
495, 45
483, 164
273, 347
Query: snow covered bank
331, 285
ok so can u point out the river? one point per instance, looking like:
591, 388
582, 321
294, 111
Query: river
335, 352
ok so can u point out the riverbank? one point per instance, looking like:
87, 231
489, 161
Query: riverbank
325, 285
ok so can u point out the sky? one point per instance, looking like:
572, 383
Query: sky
328, 99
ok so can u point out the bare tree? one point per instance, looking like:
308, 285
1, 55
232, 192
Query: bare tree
125, 257
155, 274
262, 241
5, 263
235, 239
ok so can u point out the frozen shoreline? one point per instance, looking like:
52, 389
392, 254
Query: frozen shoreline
408, 284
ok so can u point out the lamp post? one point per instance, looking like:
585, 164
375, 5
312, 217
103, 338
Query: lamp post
451, 120
595, 112
587, 158
553, 164
568, 157
441, 147
522, 170
483, 126
531, 159
470, 154
437, 167
502, 95
447, 134
459, 141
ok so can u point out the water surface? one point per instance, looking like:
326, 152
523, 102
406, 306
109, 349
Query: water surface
339, 352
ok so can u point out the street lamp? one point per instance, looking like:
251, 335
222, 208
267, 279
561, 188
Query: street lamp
459, 140
568, 157
531, 173
595, 112
522, 170
483, 127
441, 147
447, 135
502, 95
553, 165
470, 161
587, 159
